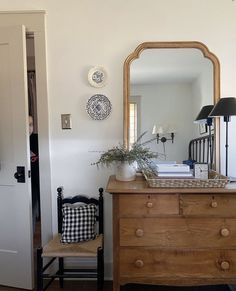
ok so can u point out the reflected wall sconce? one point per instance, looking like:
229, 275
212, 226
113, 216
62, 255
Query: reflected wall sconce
225, 107
203, 117
162, 134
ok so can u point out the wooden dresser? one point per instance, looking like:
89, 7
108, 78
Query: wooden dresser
172, 236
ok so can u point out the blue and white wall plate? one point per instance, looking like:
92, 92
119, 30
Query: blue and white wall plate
98, 107
97, 77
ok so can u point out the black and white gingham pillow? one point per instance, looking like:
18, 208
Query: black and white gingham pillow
78, 223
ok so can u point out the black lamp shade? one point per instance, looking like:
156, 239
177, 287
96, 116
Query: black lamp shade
224, 107
204, 113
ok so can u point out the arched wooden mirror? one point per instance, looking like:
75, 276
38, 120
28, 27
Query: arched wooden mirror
165, 85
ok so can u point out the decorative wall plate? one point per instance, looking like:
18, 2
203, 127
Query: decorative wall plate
98, 107
97, 77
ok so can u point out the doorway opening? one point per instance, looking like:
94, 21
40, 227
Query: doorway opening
34, 142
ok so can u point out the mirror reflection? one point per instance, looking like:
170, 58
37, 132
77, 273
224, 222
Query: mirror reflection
168, 88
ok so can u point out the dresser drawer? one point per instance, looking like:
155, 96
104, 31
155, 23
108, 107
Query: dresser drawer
148, 205
210, 205
178, 232
154, 263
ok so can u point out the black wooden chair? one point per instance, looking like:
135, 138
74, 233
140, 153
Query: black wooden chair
55, 249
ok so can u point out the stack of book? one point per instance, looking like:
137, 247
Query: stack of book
173, 171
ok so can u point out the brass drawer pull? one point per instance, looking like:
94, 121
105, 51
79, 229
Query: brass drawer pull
224, 232
139, 264
139, 232
225, 265
149, 204
214, 204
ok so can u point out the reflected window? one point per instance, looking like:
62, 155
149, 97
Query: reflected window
133, 121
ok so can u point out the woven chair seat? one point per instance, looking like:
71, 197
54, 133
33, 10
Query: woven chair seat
82, 249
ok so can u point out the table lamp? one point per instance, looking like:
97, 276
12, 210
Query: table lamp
225, 107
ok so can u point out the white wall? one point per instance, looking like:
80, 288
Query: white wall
84, 33
167, 104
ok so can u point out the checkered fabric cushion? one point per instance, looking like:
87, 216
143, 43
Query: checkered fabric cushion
78, 223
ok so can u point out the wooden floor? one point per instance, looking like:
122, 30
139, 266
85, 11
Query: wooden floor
91, 286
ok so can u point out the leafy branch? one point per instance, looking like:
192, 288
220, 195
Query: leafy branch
142, 155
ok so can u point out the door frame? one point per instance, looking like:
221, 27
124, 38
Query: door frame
34, 21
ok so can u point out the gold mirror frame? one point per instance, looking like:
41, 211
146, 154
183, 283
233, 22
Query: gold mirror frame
183, 44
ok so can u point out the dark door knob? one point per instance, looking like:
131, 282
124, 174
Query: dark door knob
17, 175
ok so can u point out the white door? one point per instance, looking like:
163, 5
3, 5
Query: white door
15, 197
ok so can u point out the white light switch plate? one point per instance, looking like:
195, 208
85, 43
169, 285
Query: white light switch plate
66, 121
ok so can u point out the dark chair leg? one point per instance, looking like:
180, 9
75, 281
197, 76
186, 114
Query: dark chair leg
102, 258
39, 270
61, 271
100, 269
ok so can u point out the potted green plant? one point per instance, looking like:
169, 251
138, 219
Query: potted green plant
125, 158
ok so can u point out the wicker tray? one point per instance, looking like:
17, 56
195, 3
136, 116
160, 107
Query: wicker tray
215, 181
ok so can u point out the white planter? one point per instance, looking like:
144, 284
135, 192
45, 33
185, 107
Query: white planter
125, 172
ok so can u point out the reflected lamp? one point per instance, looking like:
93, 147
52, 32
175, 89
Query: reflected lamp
203, 117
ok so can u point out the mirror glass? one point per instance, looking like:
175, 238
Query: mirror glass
166, 91
168, 87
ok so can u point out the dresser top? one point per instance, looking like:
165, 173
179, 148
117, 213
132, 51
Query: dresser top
140, 186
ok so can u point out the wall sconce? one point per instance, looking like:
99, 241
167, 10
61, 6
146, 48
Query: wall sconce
162, 133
